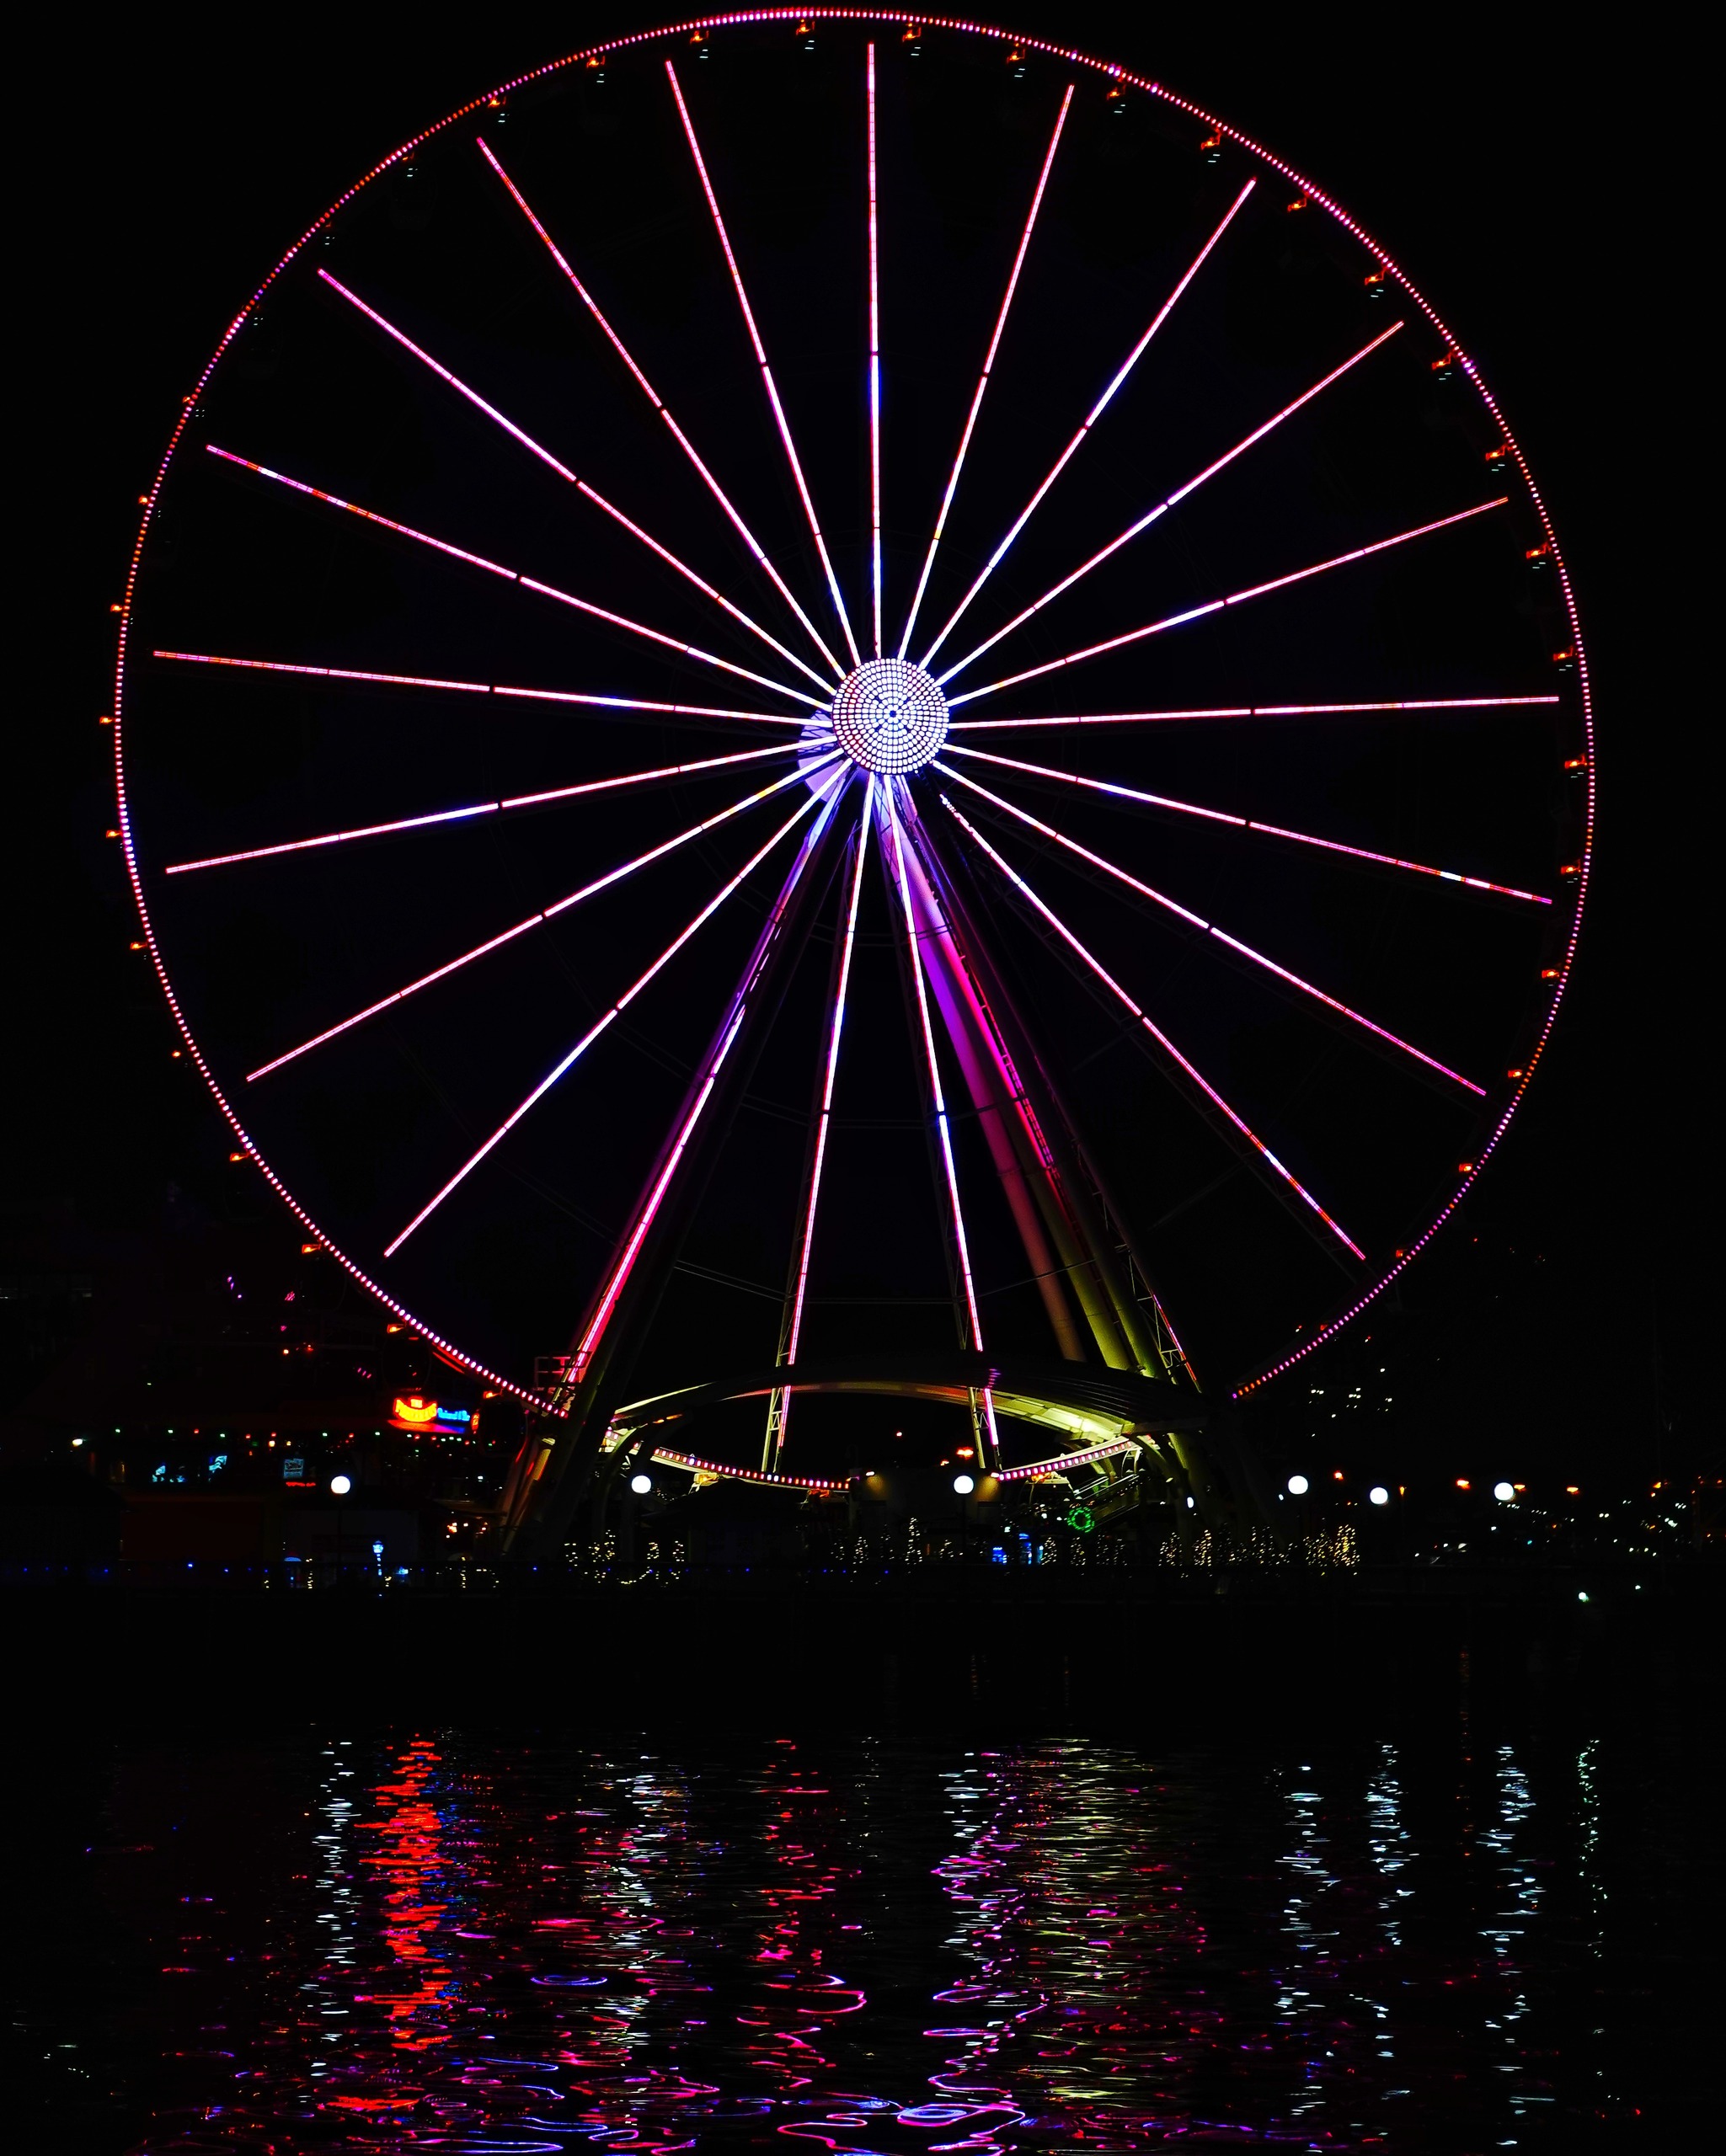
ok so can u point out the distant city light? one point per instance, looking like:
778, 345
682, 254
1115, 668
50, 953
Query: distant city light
964, 1484
641, 1484
377, 1549
1504, 1491
1463, 1483
1298, 1487
1378, 1495
340, 1485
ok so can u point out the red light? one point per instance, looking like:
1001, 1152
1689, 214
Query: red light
1572, 1490
308, 1249
1549, 973
1465, 1168
236, 1156
1336, 1474
1576, 763
1514, 1073
1462, 1482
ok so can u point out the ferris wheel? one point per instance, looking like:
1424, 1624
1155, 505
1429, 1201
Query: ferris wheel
833, 704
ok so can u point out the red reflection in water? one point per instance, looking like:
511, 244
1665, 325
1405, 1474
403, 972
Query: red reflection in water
409, 1857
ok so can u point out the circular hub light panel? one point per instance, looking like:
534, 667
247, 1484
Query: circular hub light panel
889, 717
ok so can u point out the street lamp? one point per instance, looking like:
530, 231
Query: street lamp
964, 1484
1504, 1491
340, 1485
1298, 1485
641, 1484
1378, 1495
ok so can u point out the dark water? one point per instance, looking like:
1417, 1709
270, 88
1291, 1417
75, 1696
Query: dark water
1461, 1938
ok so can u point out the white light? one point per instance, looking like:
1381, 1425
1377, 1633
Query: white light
889, 717
1504, 1491
964, 1484
1298, 1485
340, 1485
641, 1484
1378, 1495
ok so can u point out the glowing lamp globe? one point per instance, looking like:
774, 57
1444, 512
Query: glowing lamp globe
964, 1484
1378, 1495
340, 1485
1504, 1491
641, 1484
1298, 1485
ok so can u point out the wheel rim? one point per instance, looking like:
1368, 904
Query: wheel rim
820, 604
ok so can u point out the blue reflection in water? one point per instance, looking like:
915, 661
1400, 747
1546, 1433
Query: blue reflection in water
490, 1949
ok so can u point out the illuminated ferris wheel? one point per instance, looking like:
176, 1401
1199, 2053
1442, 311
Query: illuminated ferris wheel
838, 705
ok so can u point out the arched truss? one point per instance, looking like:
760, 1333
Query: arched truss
875, 755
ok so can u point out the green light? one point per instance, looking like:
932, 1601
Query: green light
1079, 1516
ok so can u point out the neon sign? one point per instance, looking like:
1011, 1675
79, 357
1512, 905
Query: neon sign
417, 1414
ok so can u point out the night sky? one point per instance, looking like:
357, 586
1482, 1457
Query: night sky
1562, 1321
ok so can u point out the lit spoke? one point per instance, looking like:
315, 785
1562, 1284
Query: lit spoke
1248, 824
1156, 1034
532, 583
653, 397
1234, 599
1209, 928
1251, 710
482, 689
874, 365
760, 354
484, 808
1169, 501
893, 843
535, 920
1095, 414
779, 1410
592, 493
623, 1003
964, 439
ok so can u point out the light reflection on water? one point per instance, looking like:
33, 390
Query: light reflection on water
500, 1949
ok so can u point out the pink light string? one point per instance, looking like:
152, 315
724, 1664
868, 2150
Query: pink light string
568, 1063
1234, 599
780, 1410
1090, 420
874, 363
484, 808
1209, 928
683, 440
532, 583
533, 921
760, 354
1156, 1032
1169, 502
1248, 823
1251, 711
481, 688
971, 423
592, 493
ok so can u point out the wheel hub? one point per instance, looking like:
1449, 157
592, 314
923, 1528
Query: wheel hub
889, 716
